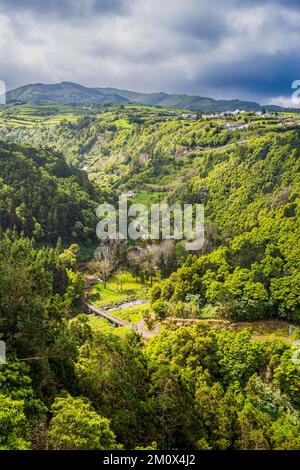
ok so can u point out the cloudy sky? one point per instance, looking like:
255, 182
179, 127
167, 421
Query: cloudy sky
220, 48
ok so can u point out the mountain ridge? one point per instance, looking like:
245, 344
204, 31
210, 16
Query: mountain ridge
74, 93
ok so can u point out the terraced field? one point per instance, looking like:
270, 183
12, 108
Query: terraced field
27, 115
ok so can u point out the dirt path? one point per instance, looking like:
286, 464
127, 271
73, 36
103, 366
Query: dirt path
232, 144
141, 328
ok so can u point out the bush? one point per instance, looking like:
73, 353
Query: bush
183, 310
160, 308
249, 310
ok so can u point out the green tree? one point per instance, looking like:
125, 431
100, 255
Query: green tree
113, 374
76, 426
287, 376
14, 427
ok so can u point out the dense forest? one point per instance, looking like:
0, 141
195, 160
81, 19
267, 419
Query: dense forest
252, 260
206, 379
66, 387
43, 197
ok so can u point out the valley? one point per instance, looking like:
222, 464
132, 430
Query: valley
162, 348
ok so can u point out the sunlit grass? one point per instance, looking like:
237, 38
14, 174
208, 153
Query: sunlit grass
100, 325
123, 123
122, 331
60, 117
121, 288
30, 115
130, 314
149, 197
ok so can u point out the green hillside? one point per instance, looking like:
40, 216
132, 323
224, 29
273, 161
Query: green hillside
248, 179
43, 197
219, 371
251, 259
73, 93
61, 93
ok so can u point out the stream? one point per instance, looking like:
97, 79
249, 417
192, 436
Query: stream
131, 303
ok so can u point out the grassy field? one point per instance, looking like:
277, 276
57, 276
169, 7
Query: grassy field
101, 325
122, 288
30, 115
148, 197
123, 123
130, 314
122, 331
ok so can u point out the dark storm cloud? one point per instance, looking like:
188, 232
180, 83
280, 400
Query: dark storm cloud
264, 76
232, 48
249, 3
203, 24
63, 8
289, 3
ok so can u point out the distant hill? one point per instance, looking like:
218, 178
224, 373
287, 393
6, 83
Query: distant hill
62, 93
197, 103
73, 93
